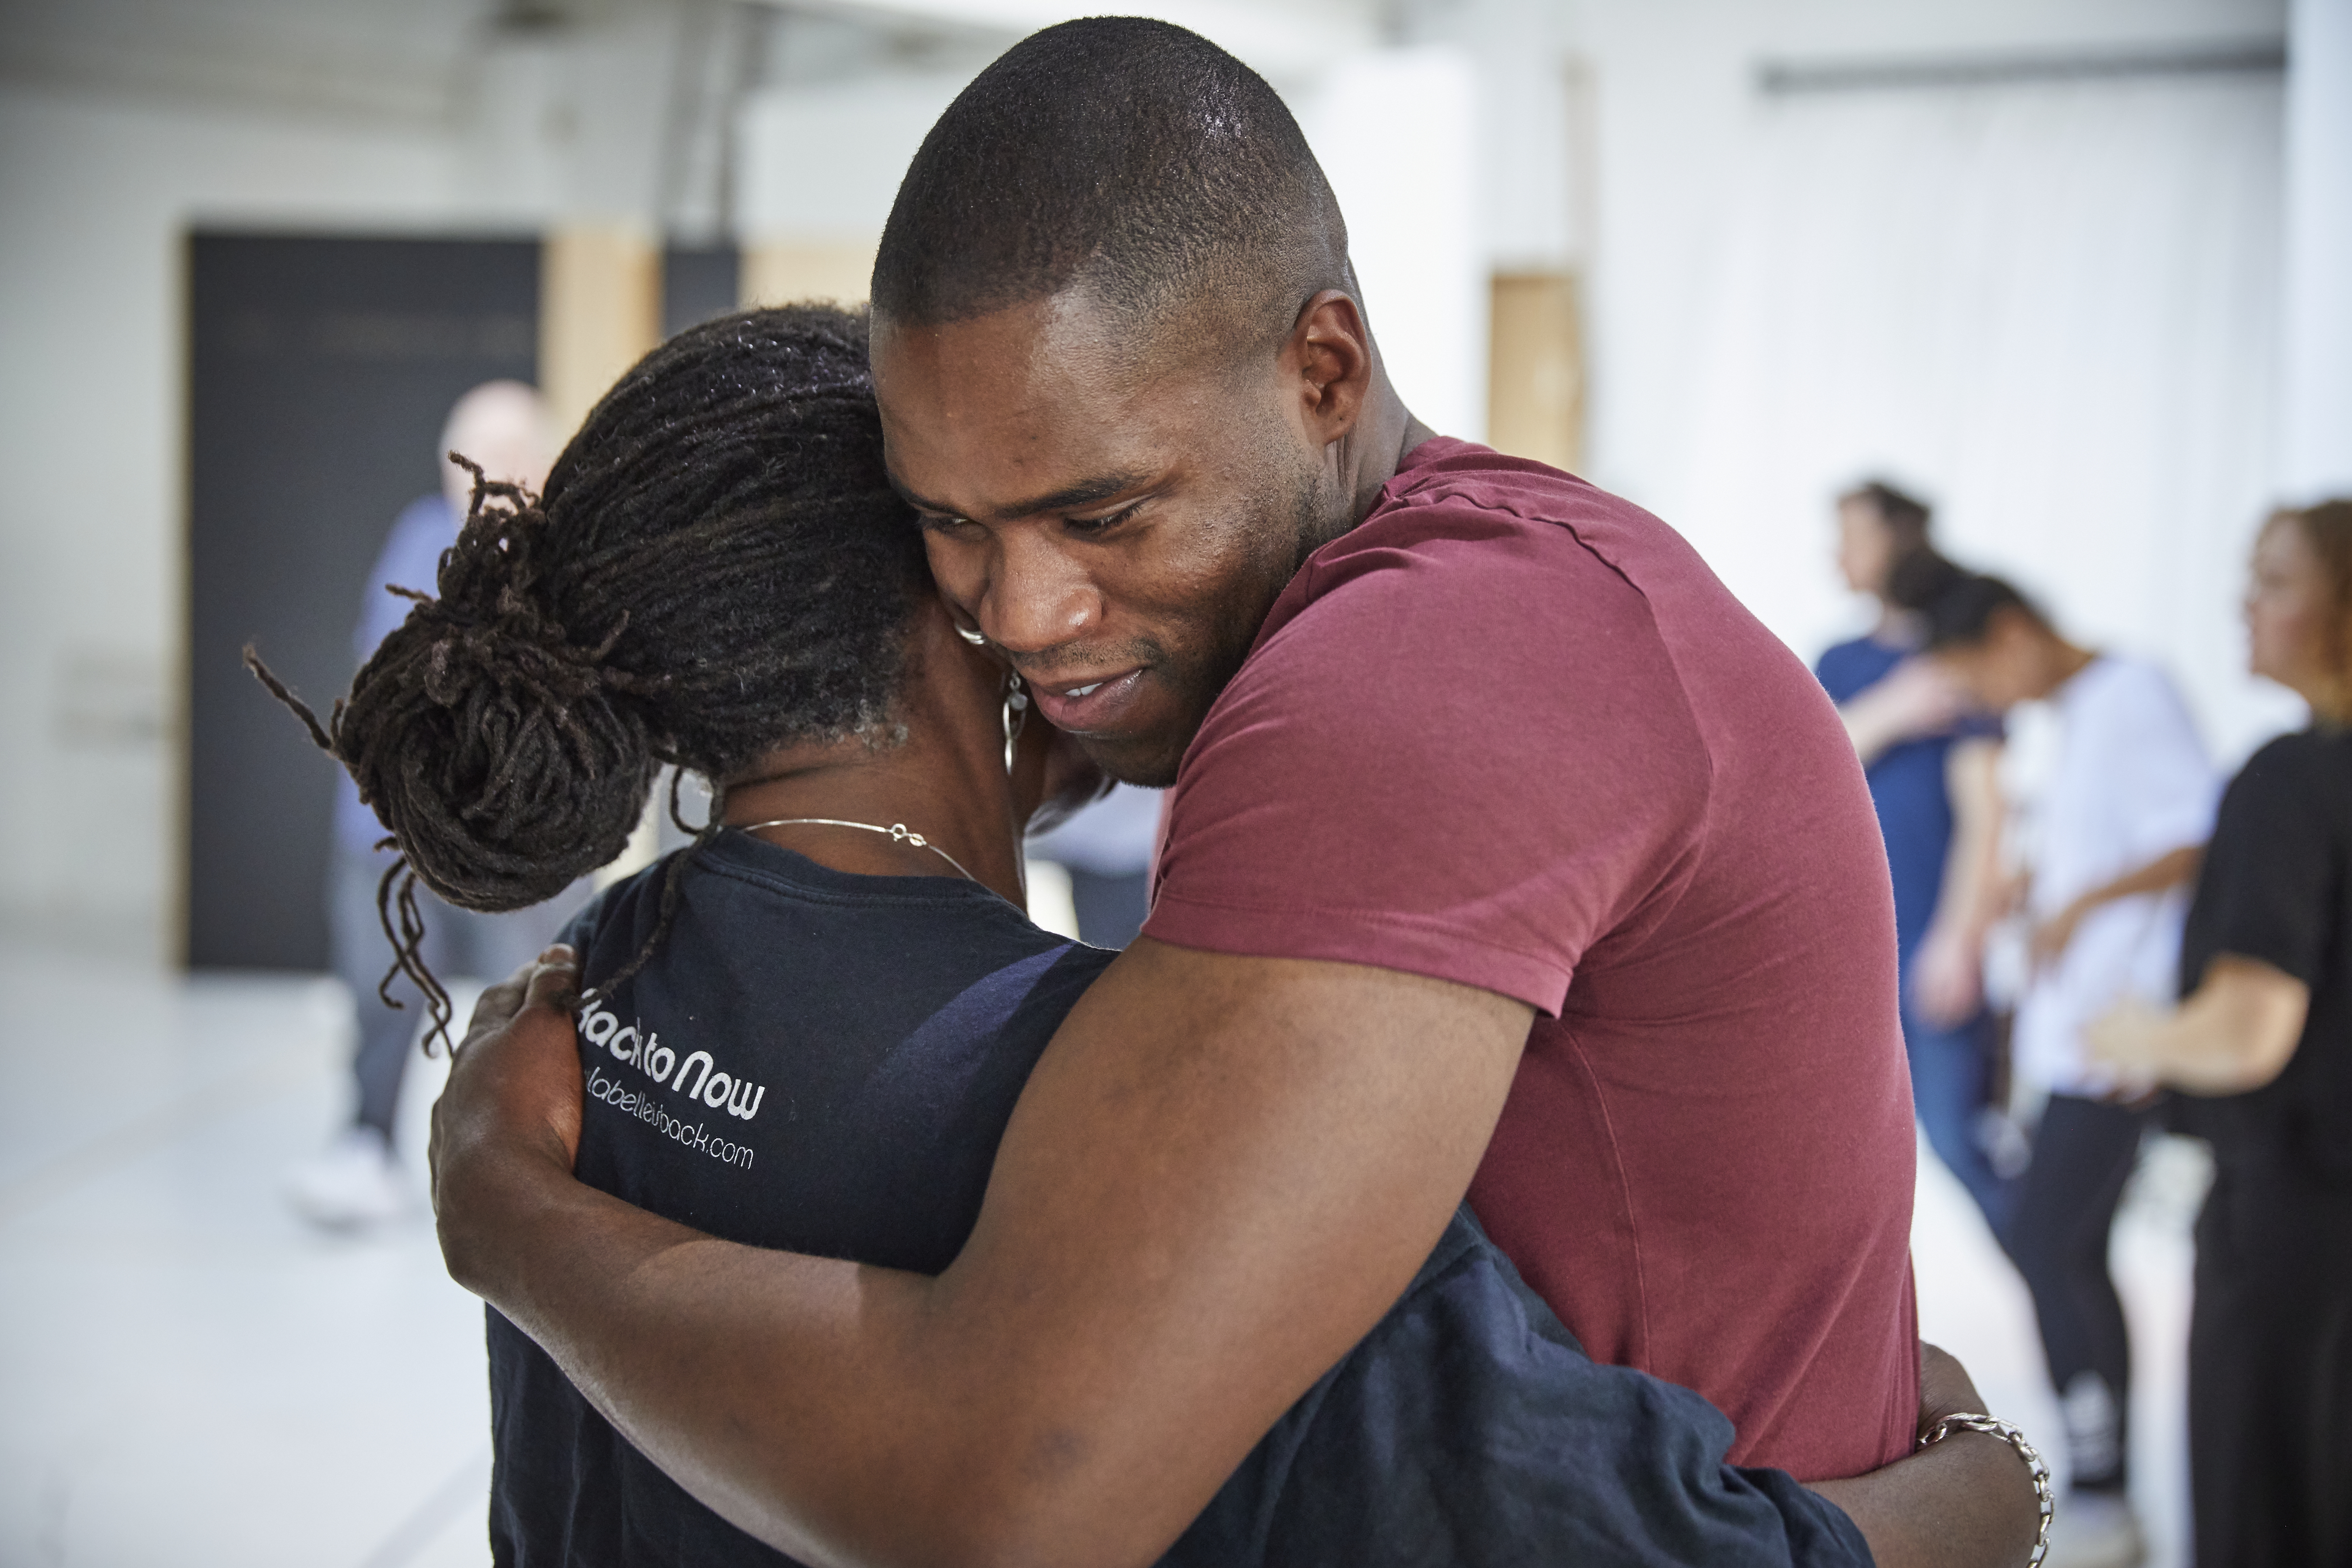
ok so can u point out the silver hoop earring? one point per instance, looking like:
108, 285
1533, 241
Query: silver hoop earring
977, 639
1016, 714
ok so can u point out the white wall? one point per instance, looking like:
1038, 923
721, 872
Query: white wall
99, 181
2315, 459
96, 193
1678, 122
820, 163
1397, 133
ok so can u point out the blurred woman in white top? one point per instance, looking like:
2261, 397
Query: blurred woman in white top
2112, 842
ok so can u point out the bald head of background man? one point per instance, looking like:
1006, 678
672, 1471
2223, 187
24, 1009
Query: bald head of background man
503, 426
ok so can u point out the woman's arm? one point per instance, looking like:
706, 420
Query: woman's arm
1948, 980
2174, 868
2236, 1032
1915, 699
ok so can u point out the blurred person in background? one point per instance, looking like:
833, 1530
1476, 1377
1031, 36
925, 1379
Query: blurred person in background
1932, 761
2260, 1054
2113, 839
1106, 850
356, 1182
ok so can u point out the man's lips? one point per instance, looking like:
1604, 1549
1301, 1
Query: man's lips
1082, 707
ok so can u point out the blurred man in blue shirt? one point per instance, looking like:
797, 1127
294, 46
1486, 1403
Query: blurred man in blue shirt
356, 1181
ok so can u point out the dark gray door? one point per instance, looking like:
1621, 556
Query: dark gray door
320, 370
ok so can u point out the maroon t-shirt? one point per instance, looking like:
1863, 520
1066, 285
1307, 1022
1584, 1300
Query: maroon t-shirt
1511, 732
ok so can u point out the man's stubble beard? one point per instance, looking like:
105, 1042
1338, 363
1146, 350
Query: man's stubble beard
1292, 527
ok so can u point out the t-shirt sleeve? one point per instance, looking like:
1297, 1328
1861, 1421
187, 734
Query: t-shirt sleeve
2265, 893
2163, 779
1979, 727
1470, 759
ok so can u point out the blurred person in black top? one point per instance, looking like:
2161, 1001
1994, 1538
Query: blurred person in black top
2259, 1052
807, 1033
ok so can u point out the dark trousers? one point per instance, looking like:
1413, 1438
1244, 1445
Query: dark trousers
458, 944
2269, 1375
1951, 1085
2082, 1154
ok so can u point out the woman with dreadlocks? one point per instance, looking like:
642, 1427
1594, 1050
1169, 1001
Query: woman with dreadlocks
807, 1033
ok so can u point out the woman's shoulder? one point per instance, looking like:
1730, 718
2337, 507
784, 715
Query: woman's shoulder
1846, 668
2315, 763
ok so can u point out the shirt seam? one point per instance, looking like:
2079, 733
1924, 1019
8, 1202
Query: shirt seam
1419, 923
1625, 1189
1444, 487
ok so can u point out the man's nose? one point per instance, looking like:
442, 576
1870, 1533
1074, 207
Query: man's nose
1038, 597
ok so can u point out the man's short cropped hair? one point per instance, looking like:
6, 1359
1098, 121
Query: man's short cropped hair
1963, 613
1129, 154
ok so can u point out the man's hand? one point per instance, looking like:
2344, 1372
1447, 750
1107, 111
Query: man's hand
1944, 1388
1966, 1502
514, 1098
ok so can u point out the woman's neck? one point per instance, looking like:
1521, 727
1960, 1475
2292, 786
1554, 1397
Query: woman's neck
942, 774
971, 826
943, 777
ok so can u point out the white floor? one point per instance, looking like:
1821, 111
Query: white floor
189, 1376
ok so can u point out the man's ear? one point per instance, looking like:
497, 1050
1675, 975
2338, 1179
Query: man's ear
1331, 352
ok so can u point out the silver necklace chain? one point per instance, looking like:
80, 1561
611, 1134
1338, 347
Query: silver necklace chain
898, 831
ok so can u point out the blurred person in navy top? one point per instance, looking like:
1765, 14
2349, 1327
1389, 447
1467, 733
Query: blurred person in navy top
1931, 760
355, 1182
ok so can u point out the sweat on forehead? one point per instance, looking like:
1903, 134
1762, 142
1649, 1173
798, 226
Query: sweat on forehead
1127, 160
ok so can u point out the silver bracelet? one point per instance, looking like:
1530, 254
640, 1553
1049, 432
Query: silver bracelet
2042, 1497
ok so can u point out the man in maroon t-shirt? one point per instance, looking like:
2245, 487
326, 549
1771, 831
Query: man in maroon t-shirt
1581, 776
1507, 855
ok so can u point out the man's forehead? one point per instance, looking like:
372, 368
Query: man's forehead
997, 411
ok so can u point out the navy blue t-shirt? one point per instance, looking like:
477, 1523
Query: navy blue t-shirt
825, 1063
1908, 787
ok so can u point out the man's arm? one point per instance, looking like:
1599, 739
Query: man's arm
854, 1414
1968, 1501
1221, 1174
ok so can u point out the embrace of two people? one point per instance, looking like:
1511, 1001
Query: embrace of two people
1497, 1148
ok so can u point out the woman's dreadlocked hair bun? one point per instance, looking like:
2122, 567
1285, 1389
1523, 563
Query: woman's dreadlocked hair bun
718, 566
494, 739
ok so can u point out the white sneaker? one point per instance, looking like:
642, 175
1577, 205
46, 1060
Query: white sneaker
2095, 1529
353, 1184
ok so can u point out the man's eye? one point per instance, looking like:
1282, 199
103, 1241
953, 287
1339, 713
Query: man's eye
1098, 524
